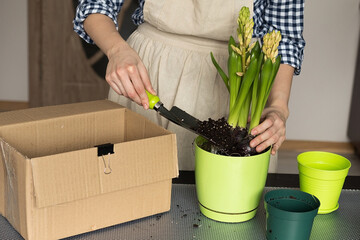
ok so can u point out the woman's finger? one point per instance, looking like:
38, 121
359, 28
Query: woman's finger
119, 85
267, 123
139, 86
277, 145
111, 79
127, 83
145, 78
268, 138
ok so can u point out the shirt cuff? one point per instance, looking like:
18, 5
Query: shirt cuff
292, 53
84, 10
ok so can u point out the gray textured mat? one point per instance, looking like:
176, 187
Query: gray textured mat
185, 221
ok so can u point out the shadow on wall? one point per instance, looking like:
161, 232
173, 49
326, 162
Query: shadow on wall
354, 118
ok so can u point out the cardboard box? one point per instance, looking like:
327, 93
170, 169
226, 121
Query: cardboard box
53, 184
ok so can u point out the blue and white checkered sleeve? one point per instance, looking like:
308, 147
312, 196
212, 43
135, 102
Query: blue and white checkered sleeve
87, 7
286, 16
138, 15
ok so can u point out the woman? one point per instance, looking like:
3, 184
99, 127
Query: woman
169, 55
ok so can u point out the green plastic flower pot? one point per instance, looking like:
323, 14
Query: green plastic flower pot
323, 174
229, 188
289, 214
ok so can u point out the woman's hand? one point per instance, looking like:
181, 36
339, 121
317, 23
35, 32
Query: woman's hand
127, 75
271, 131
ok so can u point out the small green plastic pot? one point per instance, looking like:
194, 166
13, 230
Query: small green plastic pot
229, 188
323, 174
289, 214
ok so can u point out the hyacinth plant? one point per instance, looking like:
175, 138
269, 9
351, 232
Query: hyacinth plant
251, 73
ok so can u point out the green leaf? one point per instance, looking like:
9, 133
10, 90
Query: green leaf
265, 77
244, 89
220, 71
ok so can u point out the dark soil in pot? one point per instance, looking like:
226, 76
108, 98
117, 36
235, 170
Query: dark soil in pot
230, 141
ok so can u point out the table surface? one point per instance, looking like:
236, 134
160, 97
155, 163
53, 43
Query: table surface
184, 221
273, 180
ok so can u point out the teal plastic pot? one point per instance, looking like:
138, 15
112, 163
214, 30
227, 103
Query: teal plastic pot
290, 214
229, 188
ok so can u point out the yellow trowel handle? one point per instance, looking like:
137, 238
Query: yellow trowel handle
152, 100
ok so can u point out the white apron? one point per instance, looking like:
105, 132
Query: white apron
175, 43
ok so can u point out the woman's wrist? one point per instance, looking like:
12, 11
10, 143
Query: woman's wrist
103, 32
281, 107
115, 44
280, 93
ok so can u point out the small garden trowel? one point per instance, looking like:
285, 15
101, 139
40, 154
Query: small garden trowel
181, 118
175, 115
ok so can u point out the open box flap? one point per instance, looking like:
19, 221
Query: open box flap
49, 112
80, 174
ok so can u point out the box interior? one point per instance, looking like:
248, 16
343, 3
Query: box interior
69, 133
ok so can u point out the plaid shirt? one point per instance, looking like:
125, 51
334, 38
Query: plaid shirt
283, 15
